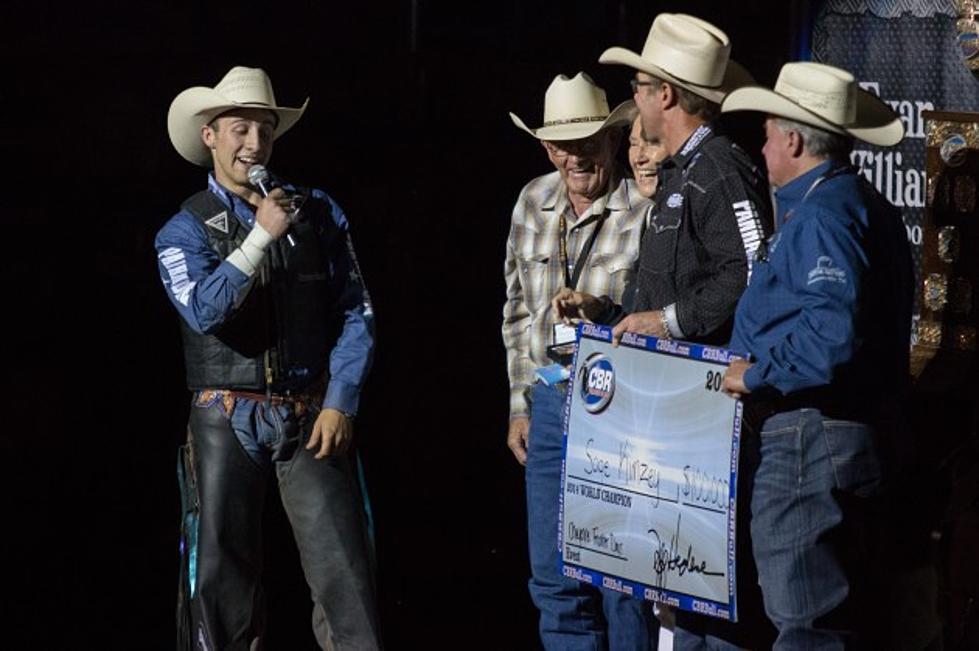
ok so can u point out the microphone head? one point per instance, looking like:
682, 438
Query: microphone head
258, 175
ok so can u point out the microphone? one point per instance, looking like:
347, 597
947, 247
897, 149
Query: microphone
258, 176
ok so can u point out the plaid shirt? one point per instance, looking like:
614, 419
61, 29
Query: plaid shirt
533, 266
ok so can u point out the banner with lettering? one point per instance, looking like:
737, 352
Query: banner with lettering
648, 497
916, 55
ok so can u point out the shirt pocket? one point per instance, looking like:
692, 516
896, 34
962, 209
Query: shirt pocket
533, 269
609, 274
658, 249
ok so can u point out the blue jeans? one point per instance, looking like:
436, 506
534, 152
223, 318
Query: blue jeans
810, 515
573, 615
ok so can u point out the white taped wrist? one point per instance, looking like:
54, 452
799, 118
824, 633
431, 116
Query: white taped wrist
248, 257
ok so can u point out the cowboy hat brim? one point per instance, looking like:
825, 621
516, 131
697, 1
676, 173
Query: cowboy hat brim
735, 75
578, 130
195, 107
874, 123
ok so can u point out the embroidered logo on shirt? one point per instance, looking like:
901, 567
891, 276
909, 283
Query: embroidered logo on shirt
180, 283
824, 270
675, 200
750, 227
219, 222
698, 137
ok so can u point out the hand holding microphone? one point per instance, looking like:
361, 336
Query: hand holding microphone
275, 212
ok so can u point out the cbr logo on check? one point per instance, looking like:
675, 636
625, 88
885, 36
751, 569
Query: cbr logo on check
596, 382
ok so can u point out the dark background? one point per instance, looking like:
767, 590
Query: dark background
407, 129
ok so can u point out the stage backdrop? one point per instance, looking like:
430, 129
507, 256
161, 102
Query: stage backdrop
916, 55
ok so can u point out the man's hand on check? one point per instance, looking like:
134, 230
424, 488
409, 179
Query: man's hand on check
641, 323
733, 384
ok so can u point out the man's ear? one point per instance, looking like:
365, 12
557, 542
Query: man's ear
667, 95
796, 144
207, 135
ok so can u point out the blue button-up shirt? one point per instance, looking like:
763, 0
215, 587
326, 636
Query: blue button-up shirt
205, 290
829, 301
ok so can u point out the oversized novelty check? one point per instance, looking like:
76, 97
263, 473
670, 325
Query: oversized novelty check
650, 471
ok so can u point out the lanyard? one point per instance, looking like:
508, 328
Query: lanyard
571, 276
761, 254
836, 171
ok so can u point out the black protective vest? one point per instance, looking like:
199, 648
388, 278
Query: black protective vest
280, 333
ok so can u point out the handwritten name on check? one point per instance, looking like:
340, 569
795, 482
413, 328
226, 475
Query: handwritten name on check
650, 470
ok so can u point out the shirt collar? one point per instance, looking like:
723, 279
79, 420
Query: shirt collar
790, 195
616, 197
241, 208
692, 145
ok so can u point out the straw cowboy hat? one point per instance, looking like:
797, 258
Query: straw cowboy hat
687, 52
197, 106
825, 97
575, 108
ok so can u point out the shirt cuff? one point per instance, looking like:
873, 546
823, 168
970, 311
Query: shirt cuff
342, 396
248, 257
753, 377
672, 324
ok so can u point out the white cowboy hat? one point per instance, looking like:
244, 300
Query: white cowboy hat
575, 108
687, 52
825, 97
197, 106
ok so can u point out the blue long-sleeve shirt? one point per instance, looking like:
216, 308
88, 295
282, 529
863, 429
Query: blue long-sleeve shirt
205, 290
829, 302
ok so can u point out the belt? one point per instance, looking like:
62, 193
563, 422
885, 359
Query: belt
312, 395
832, 403
273, 398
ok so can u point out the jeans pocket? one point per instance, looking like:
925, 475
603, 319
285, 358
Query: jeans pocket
781, 424
853, 453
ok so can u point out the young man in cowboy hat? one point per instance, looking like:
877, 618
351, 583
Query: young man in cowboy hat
578, 226
826, 320
278, 336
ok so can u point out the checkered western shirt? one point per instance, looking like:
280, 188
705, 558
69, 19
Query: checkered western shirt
533, 266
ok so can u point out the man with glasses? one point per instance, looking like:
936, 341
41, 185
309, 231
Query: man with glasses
712, 212
578, 226
712, 208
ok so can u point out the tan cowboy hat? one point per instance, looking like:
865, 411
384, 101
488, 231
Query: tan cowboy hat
825, 97
575, 108
687, 52
197, 106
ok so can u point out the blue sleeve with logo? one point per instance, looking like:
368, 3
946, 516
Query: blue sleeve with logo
820, 264
205, 290
202, 287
